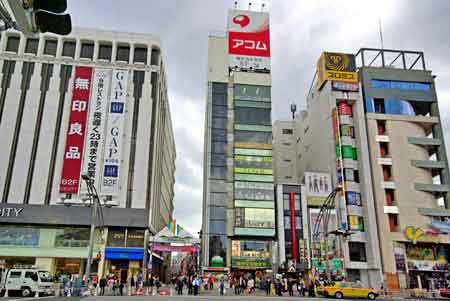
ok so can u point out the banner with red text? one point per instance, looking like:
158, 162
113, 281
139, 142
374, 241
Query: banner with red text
73, 151
180, 249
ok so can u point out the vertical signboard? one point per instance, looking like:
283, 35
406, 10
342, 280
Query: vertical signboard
96, 123
336, 67
318, 187
248, 40
114, 132
73, 151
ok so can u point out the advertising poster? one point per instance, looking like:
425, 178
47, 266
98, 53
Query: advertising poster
73, 152
248, 39
336, 66
96, 124
114, 133
318, 187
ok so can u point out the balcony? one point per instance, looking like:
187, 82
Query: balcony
428, 143
429, 164
432, 188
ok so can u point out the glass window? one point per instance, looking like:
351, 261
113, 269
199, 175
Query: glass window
219, 111
219, 147
87, 50
219, 172
219, 135
254, 116
135, 238
32, 46
253, 137
154, 60
286, 131
105, 52
253, 194
353, 198
259, 218
298, 205
116, 237
69, 49
298, 222
356, 223
398, 107
253, 152
72, 237
357, 251
218, 199
386, 84
19, 236
123, 53
286, 202
29, 274
253, 162
218, 160
140, 55
12, 44
50, 47
219, 123
218, 246
220, 88
15, 274
216, 213
219, 99
218, 227
251, 92
287, 222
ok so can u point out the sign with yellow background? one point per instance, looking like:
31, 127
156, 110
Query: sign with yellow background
336, 66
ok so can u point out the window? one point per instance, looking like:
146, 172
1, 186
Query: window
123, 53
30, 274
219, 111
287, 222
218, 160
140, 55
216, 213
253, 116
390, 199
253, 137
32, 46
72, 237
252, 93
286, 131
381, 127
286, 143
87, 50
50, 47
384, 149
219, 147
386, 84
379, 105
387, 173
287, 160
219, 172
219, 123
297, 203
219, 135
116, 237
357, 251
356, 223
393, 222
218, 199
105, 52
12, 44
69, 49
19, 236
218, 227
154, 59
353, 198
15, 274
298, 222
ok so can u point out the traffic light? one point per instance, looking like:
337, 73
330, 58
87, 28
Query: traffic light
33, 16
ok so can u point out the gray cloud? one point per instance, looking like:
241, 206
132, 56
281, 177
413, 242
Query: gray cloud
300, 31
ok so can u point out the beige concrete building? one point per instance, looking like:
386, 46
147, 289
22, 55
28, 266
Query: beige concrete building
284, 152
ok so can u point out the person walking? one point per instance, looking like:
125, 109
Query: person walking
222, 287
251, 286
132, 286
121, 286
290, 285
301, 287
102, 286
195, 284
268, 286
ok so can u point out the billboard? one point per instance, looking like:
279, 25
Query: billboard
96, 124
248, 40
73, 151
318, 187
336, 67
114, 133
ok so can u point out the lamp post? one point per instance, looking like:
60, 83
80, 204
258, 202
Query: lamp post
95, 202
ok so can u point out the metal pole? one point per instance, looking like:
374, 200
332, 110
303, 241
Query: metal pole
145, 259
91, 241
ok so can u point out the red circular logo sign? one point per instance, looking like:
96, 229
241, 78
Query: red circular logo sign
242, 20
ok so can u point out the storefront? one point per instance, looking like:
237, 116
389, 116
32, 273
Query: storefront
251, 255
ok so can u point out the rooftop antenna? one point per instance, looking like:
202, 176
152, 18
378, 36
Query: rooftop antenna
293, 110
381, 32
235, 4
249, 6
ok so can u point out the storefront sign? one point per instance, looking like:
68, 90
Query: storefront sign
248, 39
336, 66
73, 151
170, 248
124, 253
344, 86
10, 212
250, 262
96, 124
318, 187
114, 133
420, 235
256, 171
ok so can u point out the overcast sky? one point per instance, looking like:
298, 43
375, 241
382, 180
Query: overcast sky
300, 31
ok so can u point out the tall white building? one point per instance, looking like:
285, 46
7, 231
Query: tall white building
95, 102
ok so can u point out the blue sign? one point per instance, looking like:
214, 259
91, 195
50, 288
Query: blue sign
124, 253
111, 171
117, 107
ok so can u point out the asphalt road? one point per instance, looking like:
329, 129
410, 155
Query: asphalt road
165, 298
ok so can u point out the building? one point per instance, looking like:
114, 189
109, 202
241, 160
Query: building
91, 102
382, 142
238, 195
284, 152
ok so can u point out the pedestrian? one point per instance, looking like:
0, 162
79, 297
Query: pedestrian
251, 286
195, 284
301, 287
157, 284
211, 281
242, 284
102, 286
279, 287
222, 287
132, 285
290, 285
190, 285
121, 285
268, 286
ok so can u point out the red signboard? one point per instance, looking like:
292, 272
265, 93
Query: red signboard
179, 249
249, 43
73, 151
